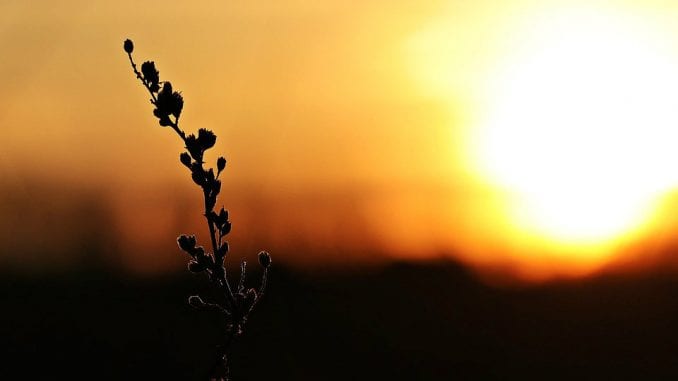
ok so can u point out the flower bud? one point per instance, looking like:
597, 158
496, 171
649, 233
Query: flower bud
264, 259
185, 159
222, 250
198, 252
221, 164
151, 74
225, 228
128, 45
223, 215
186, 243
193, 147
206, 139
167, 87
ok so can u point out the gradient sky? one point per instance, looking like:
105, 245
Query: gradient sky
349, 126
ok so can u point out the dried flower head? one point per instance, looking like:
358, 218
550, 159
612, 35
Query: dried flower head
151, 76
206, 139
186, 243
168, 103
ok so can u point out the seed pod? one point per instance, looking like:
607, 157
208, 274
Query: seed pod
128, 45
264, 259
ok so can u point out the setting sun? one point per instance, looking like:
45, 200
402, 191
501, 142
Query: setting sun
571, 119
581, 126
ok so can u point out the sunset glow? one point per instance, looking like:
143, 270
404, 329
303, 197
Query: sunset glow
573, 122
536, 137
582, 124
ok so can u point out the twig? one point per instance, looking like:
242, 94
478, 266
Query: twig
239, 304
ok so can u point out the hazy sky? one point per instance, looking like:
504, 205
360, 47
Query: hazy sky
380, 107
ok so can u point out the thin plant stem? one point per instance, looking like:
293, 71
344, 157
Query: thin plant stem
238, 304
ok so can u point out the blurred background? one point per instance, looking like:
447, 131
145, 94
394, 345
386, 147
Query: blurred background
480, 190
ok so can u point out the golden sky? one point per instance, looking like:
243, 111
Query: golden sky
531, 135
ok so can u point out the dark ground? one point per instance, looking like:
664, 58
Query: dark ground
403, 322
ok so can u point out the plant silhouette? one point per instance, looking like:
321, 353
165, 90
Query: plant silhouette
235, 303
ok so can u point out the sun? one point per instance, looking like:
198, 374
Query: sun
581, 124
565, 122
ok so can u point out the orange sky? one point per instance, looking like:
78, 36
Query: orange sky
350, 127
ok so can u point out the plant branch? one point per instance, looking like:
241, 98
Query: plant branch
238, 304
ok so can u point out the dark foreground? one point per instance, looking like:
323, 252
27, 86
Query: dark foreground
403, 322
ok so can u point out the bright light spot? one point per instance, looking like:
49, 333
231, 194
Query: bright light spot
567, 117
581, 126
